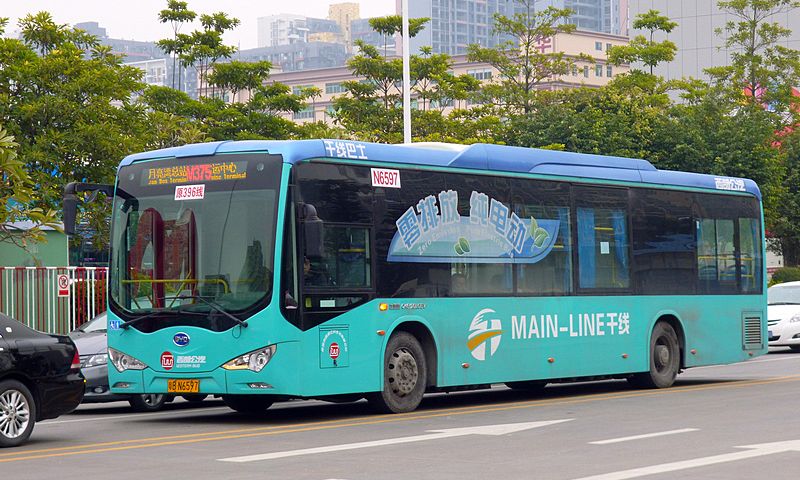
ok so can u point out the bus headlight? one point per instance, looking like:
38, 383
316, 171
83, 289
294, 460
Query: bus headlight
255, 360
123, 361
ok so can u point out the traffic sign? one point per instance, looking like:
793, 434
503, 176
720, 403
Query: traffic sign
62, 281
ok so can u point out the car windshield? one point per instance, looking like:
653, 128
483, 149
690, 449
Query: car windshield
193, 229
783, 295
97, 324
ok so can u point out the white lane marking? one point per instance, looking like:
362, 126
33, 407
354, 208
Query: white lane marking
752, 452
129, 415
746, 362
433, 435
646, 435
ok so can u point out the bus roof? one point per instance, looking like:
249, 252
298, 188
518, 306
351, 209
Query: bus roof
479, 156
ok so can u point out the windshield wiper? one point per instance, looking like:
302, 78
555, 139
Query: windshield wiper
140, 318
213, 305
783, 303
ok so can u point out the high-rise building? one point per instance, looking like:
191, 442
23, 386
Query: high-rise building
287, 29
605, 16
455, 24
698, 46
361, 30
156, 64
344, 14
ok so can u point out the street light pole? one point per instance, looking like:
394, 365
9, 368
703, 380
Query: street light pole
406, 78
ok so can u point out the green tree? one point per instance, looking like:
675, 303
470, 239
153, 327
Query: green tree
16, 198
391, 25
785, 224
176, 14
643, 49
202, 48
238, 76
761, 68
521, 64
71, 115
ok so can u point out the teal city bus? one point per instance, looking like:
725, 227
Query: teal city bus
268, 270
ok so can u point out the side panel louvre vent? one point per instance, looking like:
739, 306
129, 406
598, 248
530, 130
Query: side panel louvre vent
752, 329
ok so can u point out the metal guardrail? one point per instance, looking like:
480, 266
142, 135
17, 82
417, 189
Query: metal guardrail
33, 296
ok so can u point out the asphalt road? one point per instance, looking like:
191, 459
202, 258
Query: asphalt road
726, 422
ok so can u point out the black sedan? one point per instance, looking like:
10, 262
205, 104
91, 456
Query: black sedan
40, 378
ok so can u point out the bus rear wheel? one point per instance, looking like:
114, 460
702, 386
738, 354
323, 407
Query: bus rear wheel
248, 404
665, 359
404, 376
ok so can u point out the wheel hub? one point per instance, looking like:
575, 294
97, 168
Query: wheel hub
662, 356
404, 372
15, 414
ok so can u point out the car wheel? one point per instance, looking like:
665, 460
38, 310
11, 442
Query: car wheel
248, 404
17, 413
148, 402
404, 376
665, 359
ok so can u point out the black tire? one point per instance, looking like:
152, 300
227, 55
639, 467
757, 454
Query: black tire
17, 413
404, 376
148, 402
197, 398
531, 386
665, 359
248, 404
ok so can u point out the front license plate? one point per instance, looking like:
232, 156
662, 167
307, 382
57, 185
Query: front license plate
183, 386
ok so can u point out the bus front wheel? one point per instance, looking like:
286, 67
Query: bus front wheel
404, 375
665, 359
248, 404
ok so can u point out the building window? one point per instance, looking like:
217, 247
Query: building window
598, 46
608, 47
586, 71
609, 71
598, 70
574, 70
334, 88
482, 74
303, 114
298, 89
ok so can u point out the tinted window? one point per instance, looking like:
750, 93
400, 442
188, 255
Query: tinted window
546, 206
663, 242
603, 241
728, 233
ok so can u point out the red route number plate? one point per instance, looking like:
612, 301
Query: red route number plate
183, 386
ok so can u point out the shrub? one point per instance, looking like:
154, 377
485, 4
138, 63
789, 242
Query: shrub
785, 274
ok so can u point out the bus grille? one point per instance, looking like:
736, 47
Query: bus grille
752, 330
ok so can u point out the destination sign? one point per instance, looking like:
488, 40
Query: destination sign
204, 172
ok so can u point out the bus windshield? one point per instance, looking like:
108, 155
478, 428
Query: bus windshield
191, 237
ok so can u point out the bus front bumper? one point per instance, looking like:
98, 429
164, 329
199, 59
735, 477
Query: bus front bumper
216, 382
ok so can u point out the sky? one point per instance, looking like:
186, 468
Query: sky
138, 19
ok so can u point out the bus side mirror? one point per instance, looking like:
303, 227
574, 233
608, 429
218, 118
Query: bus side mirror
313, 232
70, 200
70, 205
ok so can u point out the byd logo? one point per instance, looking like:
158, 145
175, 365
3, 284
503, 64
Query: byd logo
483, 333
167, 361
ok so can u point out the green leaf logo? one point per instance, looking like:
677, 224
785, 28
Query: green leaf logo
540, 237
534, 226
461, 246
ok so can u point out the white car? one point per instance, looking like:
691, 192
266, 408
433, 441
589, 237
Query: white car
783, 315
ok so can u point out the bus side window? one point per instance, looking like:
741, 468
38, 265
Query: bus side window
603, 240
